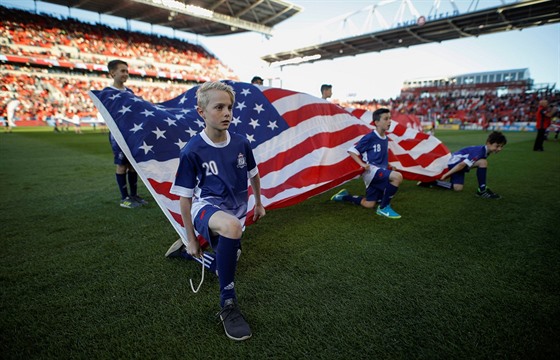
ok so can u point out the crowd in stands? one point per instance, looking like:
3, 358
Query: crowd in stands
46, 91
482, 108
43, 94
26, 34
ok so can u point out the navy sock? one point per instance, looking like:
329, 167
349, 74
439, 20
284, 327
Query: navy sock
481, 176
121, 182
390, 191
133, 182
226, 263
353, 199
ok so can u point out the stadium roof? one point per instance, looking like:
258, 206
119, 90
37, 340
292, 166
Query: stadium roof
208, 18
515, 16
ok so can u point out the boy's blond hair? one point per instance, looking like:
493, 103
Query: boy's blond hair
202, 92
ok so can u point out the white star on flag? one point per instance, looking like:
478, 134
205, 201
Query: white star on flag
254, 123
147, 113
124, 109
170, 122
191, 132
180, 143
136, 128
235, 120
147, 148
258, 108
241, 105
159, 133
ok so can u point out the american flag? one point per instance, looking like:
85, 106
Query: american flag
299, 141
416, 155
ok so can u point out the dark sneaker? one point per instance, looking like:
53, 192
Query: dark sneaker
235, 326
139, 200
175, 249
128, 203
487, 194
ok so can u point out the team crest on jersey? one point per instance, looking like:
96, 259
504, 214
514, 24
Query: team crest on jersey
241, 161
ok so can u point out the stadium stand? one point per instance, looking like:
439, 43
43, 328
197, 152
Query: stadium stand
504, 97
49, 64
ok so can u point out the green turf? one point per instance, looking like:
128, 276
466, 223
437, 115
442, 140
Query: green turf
457, 277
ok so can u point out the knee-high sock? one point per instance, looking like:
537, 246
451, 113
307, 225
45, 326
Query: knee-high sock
121, 182
353, 199
481, 176
390, 191
226, 261
133, 183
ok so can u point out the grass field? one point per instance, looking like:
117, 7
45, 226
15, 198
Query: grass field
457, 277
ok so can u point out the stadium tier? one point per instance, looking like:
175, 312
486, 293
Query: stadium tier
49, 64
59, 60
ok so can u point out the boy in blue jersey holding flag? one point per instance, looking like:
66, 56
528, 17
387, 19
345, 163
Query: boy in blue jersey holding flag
469, 157
212, 184
372, 154
118, 70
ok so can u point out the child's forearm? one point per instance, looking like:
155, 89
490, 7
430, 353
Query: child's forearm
358, 160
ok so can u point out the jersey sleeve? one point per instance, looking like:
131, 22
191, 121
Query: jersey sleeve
185, 178
361, 146
252, 168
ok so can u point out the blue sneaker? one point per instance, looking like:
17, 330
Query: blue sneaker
388, 212
339, 195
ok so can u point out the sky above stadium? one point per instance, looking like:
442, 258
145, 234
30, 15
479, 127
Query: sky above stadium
367, 76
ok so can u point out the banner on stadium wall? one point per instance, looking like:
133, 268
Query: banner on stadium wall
448, 127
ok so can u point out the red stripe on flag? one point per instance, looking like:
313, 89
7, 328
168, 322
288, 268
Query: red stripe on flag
328, 140
274, 94
423, 160
307, 112
409, 144
303, 196
163, 189
314, 175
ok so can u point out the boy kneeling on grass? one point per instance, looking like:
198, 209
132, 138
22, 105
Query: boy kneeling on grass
211, 182
469, 157
372, 154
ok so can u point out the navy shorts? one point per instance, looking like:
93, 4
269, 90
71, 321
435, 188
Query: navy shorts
119, 158
201, 223
458, 177
376, 188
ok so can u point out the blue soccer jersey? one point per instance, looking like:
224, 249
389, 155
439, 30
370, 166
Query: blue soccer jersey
468, 155
216, 174
374, 150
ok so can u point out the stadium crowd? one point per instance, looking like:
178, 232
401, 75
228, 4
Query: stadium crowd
482, 107
56, 90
